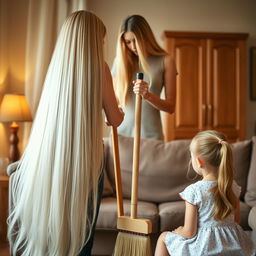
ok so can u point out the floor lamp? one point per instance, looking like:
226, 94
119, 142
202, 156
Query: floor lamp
14, 108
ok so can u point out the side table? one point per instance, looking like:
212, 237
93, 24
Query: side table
4, 183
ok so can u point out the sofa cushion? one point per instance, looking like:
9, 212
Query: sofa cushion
242, 157
107, 188
108, 213
250, 196
252, 218
244, 213
171, 215
163, 168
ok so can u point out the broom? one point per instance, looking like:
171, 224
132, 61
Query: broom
133, 238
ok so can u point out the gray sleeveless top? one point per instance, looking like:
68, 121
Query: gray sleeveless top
151, 126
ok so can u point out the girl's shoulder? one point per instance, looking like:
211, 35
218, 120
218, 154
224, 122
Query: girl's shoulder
206, 185
200, 187
190, 193
202, 183
195, 192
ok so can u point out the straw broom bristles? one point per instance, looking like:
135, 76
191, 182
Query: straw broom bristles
133, 238
132, 245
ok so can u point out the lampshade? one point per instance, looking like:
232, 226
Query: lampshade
15, 108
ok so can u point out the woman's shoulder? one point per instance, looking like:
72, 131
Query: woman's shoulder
156, 58
166, 57
169, 63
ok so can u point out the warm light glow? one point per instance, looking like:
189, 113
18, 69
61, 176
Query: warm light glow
2, 79
4, 140
14, 107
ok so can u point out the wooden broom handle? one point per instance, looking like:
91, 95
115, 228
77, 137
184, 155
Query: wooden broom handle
118, 179
136, 157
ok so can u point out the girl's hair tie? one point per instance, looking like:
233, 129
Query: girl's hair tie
221, 141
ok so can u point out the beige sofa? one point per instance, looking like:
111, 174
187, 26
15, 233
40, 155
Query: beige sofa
163, 174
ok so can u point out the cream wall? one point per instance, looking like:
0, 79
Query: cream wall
3, 70
13, 22
188, 15
18, 12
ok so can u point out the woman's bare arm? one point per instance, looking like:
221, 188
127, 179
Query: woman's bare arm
113, 113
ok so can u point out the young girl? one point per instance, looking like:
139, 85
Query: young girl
212, 205
138, 51
57, 187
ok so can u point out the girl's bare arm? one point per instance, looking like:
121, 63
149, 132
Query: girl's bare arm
190, 224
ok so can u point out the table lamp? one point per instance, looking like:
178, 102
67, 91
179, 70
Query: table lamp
14, 108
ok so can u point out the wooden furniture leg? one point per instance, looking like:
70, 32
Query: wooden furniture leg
4, 180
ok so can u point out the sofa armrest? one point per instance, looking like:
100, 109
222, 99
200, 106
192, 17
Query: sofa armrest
252, 218
12, 168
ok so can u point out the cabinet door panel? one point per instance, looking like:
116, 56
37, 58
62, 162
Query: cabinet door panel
189, 55
223, 84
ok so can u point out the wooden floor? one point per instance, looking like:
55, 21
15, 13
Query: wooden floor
4, 249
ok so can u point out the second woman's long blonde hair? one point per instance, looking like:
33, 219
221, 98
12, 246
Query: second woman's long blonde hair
126, 63
213, 148
55, 188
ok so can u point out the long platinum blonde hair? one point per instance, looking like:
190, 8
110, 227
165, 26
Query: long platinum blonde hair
55, 187
126, 62
213, 148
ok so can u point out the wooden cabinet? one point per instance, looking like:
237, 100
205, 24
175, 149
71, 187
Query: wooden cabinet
211, 84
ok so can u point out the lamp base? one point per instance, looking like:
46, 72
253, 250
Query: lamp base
14, 140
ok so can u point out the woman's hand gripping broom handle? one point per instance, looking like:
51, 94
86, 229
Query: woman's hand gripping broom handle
118, 180
136, 153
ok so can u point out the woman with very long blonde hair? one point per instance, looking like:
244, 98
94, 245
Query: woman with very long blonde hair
57, 186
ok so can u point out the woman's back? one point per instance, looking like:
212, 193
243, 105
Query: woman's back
55, 189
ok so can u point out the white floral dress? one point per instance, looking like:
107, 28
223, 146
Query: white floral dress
212, 238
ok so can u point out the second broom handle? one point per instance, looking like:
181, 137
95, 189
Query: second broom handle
118, 179
136, 157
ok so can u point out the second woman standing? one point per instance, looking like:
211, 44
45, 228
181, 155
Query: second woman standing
138, 51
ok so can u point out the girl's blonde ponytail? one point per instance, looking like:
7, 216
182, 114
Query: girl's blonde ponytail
224, 197
213, 148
